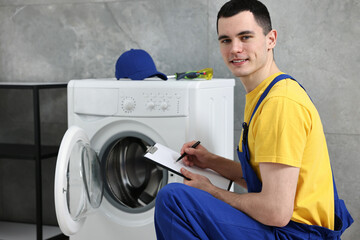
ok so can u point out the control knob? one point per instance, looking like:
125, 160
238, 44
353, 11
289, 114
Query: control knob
128, 104
150, 105
164, 106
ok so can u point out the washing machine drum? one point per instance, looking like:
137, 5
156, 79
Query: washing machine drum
131, 181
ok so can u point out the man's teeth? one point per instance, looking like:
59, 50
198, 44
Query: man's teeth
238, 61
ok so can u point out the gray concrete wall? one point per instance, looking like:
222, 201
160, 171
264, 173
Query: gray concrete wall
58, 40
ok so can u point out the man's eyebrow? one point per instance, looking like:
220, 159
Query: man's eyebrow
247, 32
222, 37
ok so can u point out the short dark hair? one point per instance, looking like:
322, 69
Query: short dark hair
257, 8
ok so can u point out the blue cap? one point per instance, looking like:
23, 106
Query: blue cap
136, 64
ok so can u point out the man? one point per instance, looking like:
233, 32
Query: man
284, 158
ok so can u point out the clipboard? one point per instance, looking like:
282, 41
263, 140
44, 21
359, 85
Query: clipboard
166, 158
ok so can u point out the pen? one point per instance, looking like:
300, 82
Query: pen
184, 154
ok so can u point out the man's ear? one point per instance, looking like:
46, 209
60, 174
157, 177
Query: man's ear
271, 38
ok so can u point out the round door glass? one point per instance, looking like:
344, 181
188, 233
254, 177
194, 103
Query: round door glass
84, 190
131, 180
92, 176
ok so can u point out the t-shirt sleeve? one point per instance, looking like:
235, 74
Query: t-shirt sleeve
281, 132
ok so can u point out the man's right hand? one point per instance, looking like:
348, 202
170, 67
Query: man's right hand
198, 156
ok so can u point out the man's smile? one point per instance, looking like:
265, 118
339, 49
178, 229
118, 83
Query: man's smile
238, 61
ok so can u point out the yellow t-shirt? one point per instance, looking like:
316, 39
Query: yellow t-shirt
287, 129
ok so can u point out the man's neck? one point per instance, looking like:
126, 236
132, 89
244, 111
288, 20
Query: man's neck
252, 81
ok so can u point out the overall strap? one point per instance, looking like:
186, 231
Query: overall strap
336, 196
253, 182
262, 97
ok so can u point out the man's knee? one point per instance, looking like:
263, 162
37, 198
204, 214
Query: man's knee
166, 203
168, 192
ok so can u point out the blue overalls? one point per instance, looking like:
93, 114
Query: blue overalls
293, 230
183, 212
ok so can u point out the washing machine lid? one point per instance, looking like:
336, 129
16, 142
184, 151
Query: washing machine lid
78, 181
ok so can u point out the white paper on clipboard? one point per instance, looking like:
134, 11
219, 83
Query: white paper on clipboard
167, 157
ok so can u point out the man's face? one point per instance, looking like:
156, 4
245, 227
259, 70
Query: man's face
243, 45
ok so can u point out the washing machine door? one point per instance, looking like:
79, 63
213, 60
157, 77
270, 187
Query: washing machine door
78, 181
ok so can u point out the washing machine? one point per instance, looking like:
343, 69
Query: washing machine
104, 187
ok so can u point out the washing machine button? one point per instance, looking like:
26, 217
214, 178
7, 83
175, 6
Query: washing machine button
150, 105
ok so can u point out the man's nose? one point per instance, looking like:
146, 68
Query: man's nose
237, 46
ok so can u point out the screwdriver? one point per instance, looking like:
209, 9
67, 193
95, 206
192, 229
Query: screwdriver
206, 73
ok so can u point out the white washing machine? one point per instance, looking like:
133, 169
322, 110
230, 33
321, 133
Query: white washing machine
104, 188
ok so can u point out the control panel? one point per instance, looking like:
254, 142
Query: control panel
153, 102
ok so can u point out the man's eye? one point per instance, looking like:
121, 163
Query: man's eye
245, 38
225, 41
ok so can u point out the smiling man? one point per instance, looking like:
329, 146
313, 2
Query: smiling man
246, 48
284, 161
